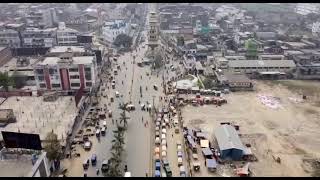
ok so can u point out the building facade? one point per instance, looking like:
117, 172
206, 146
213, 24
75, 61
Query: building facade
34, 37
10, 38
66, 36
112, 29
66, 73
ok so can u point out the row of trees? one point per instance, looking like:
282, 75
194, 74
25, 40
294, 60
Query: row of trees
117, 148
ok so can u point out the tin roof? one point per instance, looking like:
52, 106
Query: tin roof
228, 138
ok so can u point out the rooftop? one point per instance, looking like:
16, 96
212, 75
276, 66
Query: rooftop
262, 63
12, 65
228, 138
75, 60
62, 49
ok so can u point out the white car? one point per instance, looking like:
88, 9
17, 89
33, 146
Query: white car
117, 94
87, 145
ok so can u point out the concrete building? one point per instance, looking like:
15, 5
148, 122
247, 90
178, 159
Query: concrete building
235, 82
112, 29
307, 8
229, 142
42, 18
66, 73
251, 66
34, 37
66, 36
10, 38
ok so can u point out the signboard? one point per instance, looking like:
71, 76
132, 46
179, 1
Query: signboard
21, 140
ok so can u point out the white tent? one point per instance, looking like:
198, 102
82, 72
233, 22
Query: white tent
157, 140
157, 128
163, 136
157, 150
164, 131
157, 123
164, 153
166, 120
164, 142
164, 148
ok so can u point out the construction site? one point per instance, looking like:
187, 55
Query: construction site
279, 124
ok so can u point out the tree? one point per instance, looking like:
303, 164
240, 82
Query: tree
123, 40
158, 63
53, 147
5, 80
208, 83
18, 79
116, 152
123, 117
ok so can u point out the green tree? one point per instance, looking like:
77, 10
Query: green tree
52, 146
123, 116
5, 80
116, 153
123, 40
208, 83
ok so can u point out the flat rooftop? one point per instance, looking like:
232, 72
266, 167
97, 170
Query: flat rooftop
62, 49
16, 165
76, 60
12, 65
33, 115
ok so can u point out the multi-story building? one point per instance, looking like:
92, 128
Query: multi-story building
34, 37
66, 73
66, 36
9, 38
307, 8
42, 18
112, 29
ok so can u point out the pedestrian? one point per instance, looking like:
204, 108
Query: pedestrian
142, 119
112, 121
172, 134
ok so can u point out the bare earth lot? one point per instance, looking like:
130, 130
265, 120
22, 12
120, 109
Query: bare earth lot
291, 132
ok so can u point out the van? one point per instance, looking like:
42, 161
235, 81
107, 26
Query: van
103, 131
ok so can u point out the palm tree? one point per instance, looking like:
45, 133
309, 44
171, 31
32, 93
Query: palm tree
123, 117
116, 152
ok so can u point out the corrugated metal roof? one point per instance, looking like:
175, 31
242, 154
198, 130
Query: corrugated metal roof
228, 138
262, 63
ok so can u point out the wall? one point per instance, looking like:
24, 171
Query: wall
41, 167
15, 93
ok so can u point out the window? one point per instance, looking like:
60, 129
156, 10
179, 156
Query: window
73, 69
52, 71
40, 78
39, 71
55, 85
42, 85
75, 77
75, 84
88, 84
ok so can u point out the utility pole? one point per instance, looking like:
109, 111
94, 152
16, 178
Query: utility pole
153, 101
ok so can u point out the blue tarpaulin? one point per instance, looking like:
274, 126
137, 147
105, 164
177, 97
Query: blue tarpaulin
157, 173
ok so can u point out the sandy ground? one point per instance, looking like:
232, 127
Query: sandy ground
36, 116
290, 132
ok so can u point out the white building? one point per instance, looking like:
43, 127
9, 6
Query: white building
315, 27
34, 37
307, 8
66, 36
44, 18
112, 29
66, 73
9, 38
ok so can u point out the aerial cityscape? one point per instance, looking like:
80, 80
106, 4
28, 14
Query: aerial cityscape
159, 89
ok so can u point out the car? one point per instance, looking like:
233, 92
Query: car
168, 171
105, 165
117, 94
87, 145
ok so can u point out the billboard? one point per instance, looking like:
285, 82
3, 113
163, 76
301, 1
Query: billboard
21, 140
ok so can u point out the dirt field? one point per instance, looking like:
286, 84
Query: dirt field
290, 132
